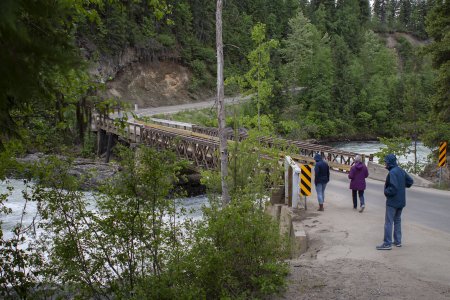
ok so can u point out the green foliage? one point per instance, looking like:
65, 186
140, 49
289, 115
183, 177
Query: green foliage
237, 253
438, 22
298, 48
259, 80
264, 123
8, 162
348, 23
35, 42
401, 147
20, 263
238, 249
201, 75
128, 240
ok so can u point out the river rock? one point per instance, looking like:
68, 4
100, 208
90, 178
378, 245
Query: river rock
92, 172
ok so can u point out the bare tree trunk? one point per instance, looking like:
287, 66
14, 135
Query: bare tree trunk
221, 106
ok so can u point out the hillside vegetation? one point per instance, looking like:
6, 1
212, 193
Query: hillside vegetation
163, 52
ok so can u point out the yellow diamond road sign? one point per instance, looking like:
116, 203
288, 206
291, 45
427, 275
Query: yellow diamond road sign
305, 180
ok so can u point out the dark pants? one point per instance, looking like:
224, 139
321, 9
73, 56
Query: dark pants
355, 199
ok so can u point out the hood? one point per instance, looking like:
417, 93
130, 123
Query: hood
391, 161
359, 165
317, 157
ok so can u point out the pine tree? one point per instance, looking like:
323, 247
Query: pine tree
348, 23
438, 27
404, 17
380, 13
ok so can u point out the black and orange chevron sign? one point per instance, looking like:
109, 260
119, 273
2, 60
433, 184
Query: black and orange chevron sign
305, 180
442, 154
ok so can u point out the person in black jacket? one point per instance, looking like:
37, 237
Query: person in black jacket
321, 178
397, 181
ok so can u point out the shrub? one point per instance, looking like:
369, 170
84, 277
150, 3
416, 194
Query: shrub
237, 252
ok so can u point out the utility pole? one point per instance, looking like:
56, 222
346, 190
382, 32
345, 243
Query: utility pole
221, 106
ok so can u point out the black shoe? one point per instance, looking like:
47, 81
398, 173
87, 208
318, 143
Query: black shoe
384, 247
398, 244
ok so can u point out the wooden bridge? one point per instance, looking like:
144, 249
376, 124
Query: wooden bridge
200, 144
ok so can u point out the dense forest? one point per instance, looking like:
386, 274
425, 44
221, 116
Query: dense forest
351, 84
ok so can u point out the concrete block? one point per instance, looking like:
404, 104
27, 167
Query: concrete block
299, 240
274, 211
419, 181
379, 172
277, 195
376, 171
290, 226
285, 220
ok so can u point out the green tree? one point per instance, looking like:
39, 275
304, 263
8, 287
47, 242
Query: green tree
122, 241
297, 48
380, 10
438, 24
380, 75
35, 41
259, 80
348, 23
404, 17
239, 250
309, 65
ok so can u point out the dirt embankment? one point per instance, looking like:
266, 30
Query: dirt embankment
148, 79
392, 39
152, 84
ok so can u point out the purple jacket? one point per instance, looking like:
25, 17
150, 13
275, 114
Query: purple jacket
358, 174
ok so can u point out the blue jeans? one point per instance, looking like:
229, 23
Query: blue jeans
393, 217
320, 189
355, 200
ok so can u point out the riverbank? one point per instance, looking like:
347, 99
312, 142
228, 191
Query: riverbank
94, 172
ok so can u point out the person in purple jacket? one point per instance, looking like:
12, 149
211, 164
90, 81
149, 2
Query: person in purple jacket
358, 174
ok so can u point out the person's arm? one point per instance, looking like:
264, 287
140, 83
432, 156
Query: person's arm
328, 172
351, 174
391, 186
408, 180
316, 173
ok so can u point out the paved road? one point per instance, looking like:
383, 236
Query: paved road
425, 206
211, 103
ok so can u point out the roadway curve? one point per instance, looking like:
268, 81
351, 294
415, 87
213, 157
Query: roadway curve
211, 103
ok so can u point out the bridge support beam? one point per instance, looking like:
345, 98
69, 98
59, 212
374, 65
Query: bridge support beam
112, 139
101, 141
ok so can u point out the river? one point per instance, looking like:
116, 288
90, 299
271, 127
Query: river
367, 148
28, 212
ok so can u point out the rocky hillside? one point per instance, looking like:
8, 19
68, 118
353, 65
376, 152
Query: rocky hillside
151, 84
146, 81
